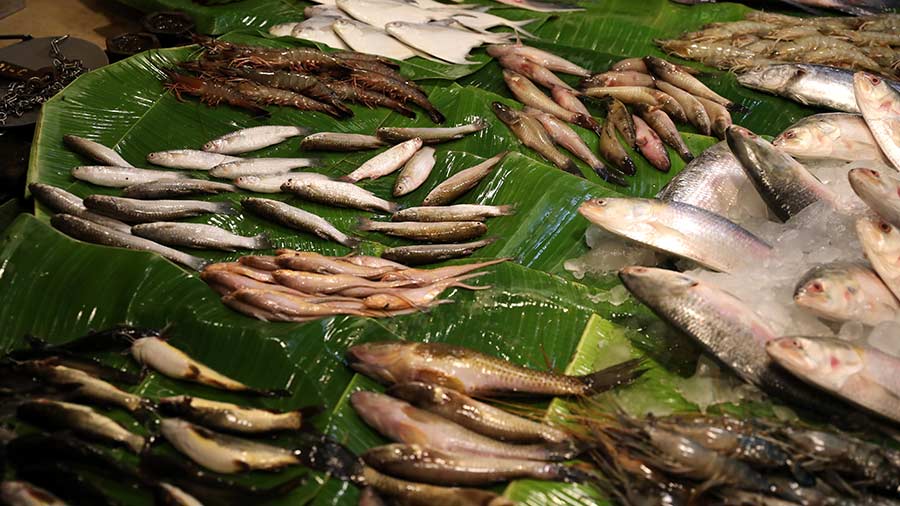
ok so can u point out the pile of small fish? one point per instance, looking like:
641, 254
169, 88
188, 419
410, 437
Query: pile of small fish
658, 91
250, 77
868, 43
296, 286
446, 438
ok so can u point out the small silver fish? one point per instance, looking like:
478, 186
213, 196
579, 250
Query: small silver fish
334, 141
272, 183
121, 177
63, 202
80, 419
95, 150
260, 167
165, 188
231, 417
458, 212
434, 232
415, 172
252, 139
430, 135
458, 184
385, 162
143, 211
431, 253
189, 159
198, 235
296, 218
338, 193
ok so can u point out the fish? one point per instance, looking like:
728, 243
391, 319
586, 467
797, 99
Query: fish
198, 235
480, 21
543, 58
378, 13
430, 135
415, 172
458, 212
222, 453
431, 253
79, 419
672, 74
879, 104
420, 494
621, 119
81, 384
538, 6
433, 232
476, 415
63, 202
229, 417
569, 100
529, 94
651, 146
460, 183
663, 125
95, 151
165, 188
415, 298
338, 193
143, 211
282, 29
693, 108
121, 177
189, 159
619, 78
273, 182
364, 37
260, 167
327, 284
169, 361
626, 94
679, 229
385, 162
252, 139
334, 141
22, 493
313, 262
89, 231
858, 374
444, 42
225, 281
846, 291
531, 133
319, 29
879, 190
881, 243
374, 262
278, 305
613, 152
399, 421
174, 496
837, 135
532, 71
369, 497
475, 374
298, 219
719, 117
423, 277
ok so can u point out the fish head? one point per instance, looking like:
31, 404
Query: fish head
823, 294
420, 394
871, 183
614, 213
512, 78
823, 361
771, 78
797, 140
506, 113
384, 361
643, 281
870, 87
383, 412
877, 235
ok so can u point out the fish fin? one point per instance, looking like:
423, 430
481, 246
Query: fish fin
283, 488
347, 179
351, 242
327, 455
196, 263
224, 208
619, 374
364, 224
262, 241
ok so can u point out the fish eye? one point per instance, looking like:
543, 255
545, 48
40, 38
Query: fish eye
790, 134
816, 287
884, 227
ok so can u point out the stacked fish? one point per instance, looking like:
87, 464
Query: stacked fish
399, 30
250, 77
867, 43
446, 438
296, 286
48, 378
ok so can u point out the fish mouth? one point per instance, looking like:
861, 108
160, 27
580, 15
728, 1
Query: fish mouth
790, 353
593, 210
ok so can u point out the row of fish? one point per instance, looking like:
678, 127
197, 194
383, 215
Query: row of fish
854, 7
299, 286
868, 43
531, 5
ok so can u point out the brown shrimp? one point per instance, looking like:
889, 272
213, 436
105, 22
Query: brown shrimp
274, 96
211, 92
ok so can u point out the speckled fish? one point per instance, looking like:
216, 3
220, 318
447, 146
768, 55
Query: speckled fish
881, 243
612, 151
458, 212
120, 177
415, 172
272, 183
663, 125
84, 386
434, 232
837, 135
190, 159
879, 190
252, 139
846, 291
95, 150
335, 141
166, 188
399, 421
529, 94
785, 185
169, 361
420, 494
143, 211
338, 193
678, 229
858, 374
651, 146
475, 415
363, 37
694, 110
539, 56
198, 235
385, 162
22, 493
619, 78
63, 202
90, 231
430, 253
458, 184
444, 42
79, 419
222, 453
260, 167
319, 29
430, 135
719, 117
473, 373
231, 417
879, 104
532, 71
298, 219
671, 73
424, 277
532, 134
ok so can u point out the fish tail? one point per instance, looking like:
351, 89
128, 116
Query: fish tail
365, 224
196, 263
224, 208
262, 241
351, 242
736, 107
506, 209
435, 115
566, 450
327, 455
573, 474
605, 379
347, 179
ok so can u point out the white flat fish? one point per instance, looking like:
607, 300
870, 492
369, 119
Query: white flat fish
481, 21
282, 29
441, 41
367, 39
324, 10
379, 13
325, 2
319, 29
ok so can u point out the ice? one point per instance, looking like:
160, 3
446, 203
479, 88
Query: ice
609, 253
886, 337
615, 295
709, 386
852, 331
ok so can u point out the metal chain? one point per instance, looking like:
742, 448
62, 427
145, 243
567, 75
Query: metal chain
22, 96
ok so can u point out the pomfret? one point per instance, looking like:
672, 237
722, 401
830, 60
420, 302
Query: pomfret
441, 41
364, 37
319, 29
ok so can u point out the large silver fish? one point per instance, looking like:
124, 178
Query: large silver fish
198, 235
846, 291
879, 104
881, 243
63, 202
837, 135
879, 190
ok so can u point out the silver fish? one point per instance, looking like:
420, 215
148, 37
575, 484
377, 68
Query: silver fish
334, 141
838, 135
273, 183
231, 417
458, 184
165, 188
143, 211
879, 104
251, 139
84, 385
458, 212
190, 159
846, 291
430, 135
22, 493
415, 172
386, 162
80, 419
260, 167
539, 56
537, 6
92, 232
443, 41
282, 29
63, 202
880, 190
338, 193
95, 150
121, 177
881, 243
222, 453
298, 219
198, 235
434, 232
431, 253
679, 229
